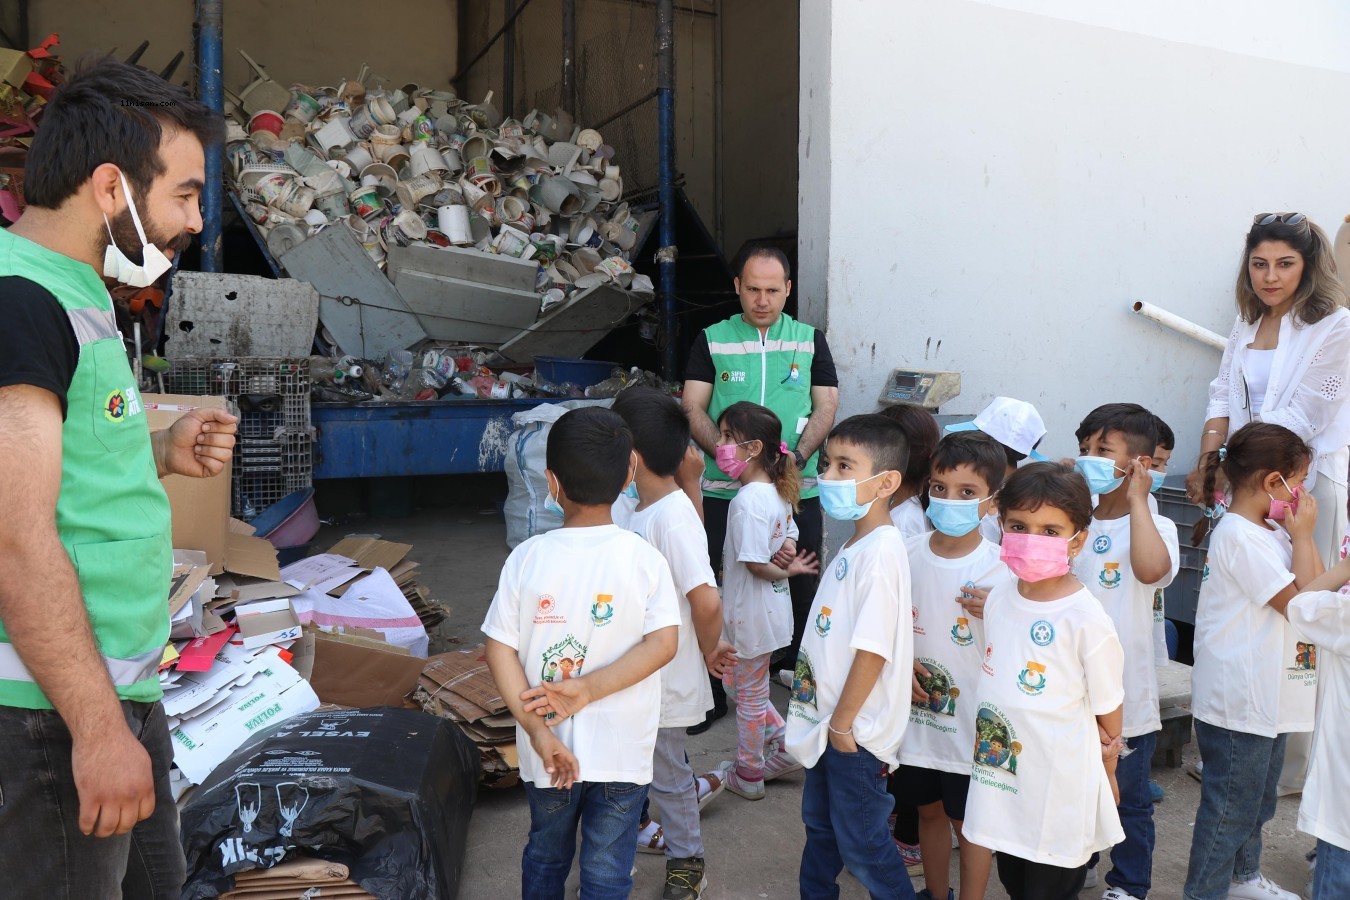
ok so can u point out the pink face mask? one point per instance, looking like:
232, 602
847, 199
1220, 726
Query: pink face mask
1281, 508
1036, 557
725, 457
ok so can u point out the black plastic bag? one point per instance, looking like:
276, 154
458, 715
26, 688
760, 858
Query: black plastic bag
387, 792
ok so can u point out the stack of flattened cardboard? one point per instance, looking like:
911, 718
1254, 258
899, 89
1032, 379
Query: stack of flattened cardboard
369, 552
296, 879
458, 686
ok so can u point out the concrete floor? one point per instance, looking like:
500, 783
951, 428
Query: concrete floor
753, 849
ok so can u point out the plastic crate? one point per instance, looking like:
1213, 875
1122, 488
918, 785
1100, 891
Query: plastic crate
274, 455
1183, 594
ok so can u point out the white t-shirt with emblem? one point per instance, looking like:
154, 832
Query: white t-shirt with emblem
1250, 673
909, 518
756, 613
862, 603
1104, 568
572, 601
1038, 789
949, 643
673, 527
1323, 618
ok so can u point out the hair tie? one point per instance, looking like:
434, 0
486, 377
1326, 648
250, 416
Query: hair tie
782, 447
1223, 453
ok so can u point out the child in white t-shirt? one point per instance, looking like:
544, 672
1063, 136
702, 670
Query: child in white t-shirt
583, 619
1252, 685
1130, 554
967, 472
921, 435
850, 695
1320, 617
756, 604
666, 519
1048, 716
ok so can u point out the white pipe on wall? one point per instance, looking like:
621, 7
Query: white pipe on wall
1180, 325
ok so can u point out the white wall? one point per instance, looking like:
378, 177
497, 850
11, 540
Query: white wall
985, 187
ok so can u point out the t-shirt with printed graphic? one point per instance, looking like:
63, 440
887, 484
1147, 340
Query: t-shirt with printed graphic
575, 600
909, 518
1104, 568
1322, 620
949, 643
1251, 673
1038, 789
756, 613
673, 527
862, 603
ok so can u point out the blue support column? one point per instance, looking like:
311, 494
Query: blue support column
211, 91
665, 256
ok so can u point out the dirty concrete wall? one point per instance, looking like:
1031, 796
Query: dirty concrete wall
1006, 180
313, 41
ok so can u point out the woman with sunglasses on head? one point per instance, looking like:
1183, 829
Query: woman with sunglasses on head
1288, 361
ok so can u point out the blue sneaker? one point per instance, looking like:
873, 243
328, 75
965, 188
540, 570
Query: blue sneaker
926, 894
1156, 790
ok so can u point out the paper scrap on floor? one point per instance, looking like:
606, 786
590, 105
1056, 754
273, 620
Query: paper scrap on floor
375, 602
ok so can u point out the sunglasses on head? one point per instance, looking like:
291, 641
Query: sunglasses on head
1288, 218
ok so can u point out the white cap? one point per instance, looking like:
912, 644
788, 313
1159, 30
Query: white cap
1013, 423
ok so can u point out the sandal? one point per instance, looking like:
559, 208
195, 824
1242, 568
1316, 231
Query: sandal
715, 787
655, 842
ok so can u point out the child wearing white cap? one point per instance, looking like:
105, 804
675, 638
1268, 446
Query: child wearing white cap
1019, 428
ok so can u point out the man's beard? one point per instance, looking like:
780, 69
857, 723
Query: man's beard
129, 242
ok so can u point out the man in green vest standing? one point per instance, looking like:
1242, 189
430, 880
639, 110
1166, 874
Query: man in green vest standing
767, 357
113, 181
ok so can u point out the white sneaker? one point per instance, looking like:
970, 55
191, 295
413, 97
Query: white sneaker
1260, 889
1117, 894
1091, 880
786, 677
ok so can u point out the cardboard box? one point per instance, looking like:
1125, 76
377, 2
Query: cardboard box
200, 506
360, 672
267, 622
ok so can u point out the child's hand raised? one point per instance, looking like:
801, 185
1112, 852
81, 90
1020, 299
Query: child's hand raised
1140, 484
721, 660
559, 762
804, 563
972, 601
1301, 522
557, 701
917, 694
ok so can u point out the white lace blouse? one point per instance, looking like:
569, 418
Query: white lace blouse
1307, 391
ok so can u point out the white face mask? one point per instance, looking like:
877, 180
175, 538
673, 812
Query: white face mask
115, 263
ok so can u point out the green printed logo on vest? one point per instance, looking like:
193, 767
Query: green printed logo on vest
729, 377
121, 404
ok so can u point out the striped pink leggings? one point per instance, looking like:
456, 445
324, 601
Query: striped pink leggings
757, 722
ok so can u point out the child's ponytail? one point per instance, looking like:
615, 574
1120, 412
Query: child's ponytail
1254, 451
752, 422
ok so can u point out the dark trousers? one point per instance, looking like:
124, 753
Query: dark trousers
43, 853
811, 525
1025, 880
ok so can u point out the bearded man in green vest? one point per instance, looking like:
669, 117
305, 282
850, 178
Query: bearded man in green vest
113, 181
767, 357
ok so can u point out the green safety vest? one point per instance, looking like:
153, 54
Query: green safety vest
773, 370
112, 514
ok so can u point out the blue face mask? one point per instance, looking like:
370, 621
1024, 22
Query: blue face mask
954, 518
1157, 479
552, 504
839, 499
1100, 473
631, 491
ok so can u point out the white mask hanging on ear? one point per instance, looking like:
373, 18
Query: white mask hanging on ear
115, 263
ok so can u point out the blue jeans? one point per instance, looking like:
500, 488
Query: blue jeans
1331, 877
1237, 796
1132, 858
845, 805
608, 815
